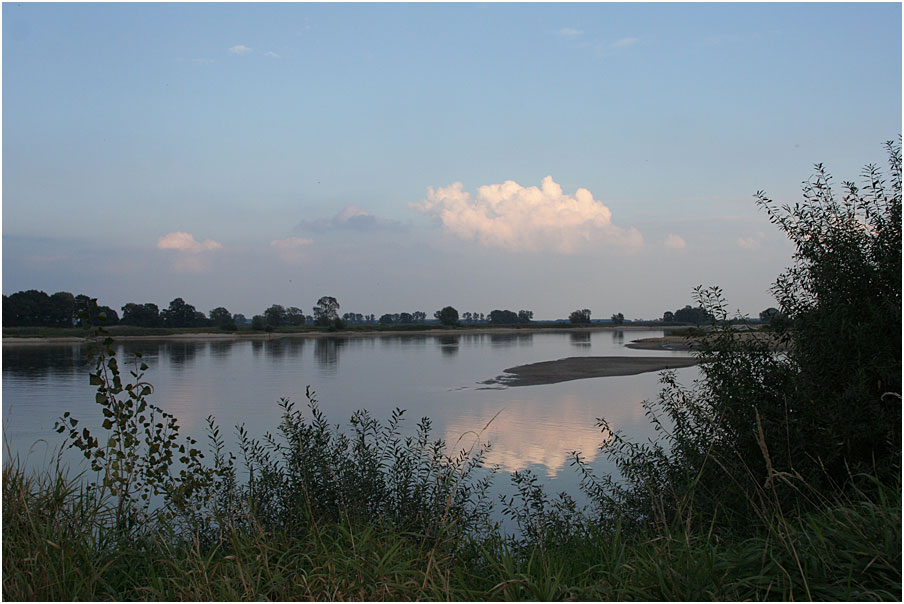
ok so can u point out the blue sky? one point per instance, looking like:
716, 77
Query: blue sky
606, 155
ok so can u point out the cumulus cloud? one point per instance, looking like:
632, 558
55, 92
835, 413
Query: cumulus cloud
189, 256
570, 32
240, 49
185, 242
675, 242
270, 53
751, 243
519, 218
293, 249
351, 217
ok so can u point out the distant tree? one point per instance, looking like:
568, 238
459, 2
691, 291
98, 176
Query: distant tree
419, 316
326, 311
386, 319
580, 317
97, 314
258, 323
29, 308
668, 316
406, 318
503, 317
222, 318
239, 319
525, 316
219, 315
141, 315
447, 316
275, 315
466, 317
618, 319
697, 316
294, 316
63, 310
180, 314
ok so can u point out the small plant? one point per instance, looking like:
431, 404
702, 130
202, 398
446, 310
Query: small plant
138, 453
314, 472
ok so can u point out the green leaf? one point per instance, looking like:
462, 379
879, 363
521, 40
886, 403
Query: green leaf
107, 424
95, 379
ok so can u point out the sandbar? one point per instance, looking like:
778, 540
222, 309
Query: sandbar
579, 368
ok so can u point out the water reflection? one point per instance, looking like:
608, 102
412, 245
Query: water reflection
221, 349
284, 347
239, 382
43, 361
404, 341
508, 340
448, 345
326, 351
579, 338
182, 354
541, 428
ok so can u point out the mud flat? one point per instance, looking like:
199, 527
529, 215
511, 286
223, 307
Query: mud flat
579, 368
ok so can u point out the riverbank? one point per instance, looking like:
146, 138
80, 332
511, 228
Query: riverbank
350, 333
690, 343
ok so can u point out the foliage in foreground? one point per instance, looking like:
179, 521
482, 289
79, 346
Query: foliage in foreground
774, 477
54, 549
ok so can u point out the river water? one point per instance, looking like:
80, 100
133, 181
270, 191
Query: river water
240, 382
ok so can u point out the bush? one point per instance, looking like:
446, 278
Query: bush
761, 433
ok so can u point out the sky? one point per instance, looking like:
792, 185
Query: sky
402, 157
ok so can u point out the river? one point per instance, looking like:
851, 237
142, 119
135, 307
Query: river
439, 376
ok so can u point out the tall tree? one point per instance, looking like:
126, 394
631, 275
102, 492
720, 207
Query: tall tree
141, 315
326, 311
580, 317
275, 315
180, 314
447, 316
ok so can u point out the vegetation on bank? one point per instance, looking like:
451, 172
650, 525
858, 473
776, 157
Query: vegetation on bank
770, 477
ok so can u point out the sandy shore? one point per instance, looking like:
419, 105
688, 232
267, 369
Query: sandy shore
578, 368
693, 343
664, 343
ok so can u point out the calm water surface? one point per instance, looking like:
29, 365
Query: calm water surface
436, 376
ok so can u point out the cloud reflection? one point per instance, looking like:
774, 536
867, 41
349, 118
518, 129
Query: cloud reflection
541, 432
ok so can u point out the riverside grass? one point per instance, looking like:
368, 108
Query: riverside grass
55, 548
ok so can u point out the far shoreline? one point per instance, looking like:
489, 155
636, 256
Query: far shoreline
269, 336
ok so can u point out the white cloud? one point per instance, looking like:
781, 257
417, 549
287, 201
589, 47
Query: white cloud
189, 257
675, 242
240, 49
624, 42
570, 32
185, 242
292, 250
270, 53
751, 243
520, 218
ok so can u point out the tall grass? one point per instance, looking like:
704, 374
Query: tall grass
53, 550
374, 515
